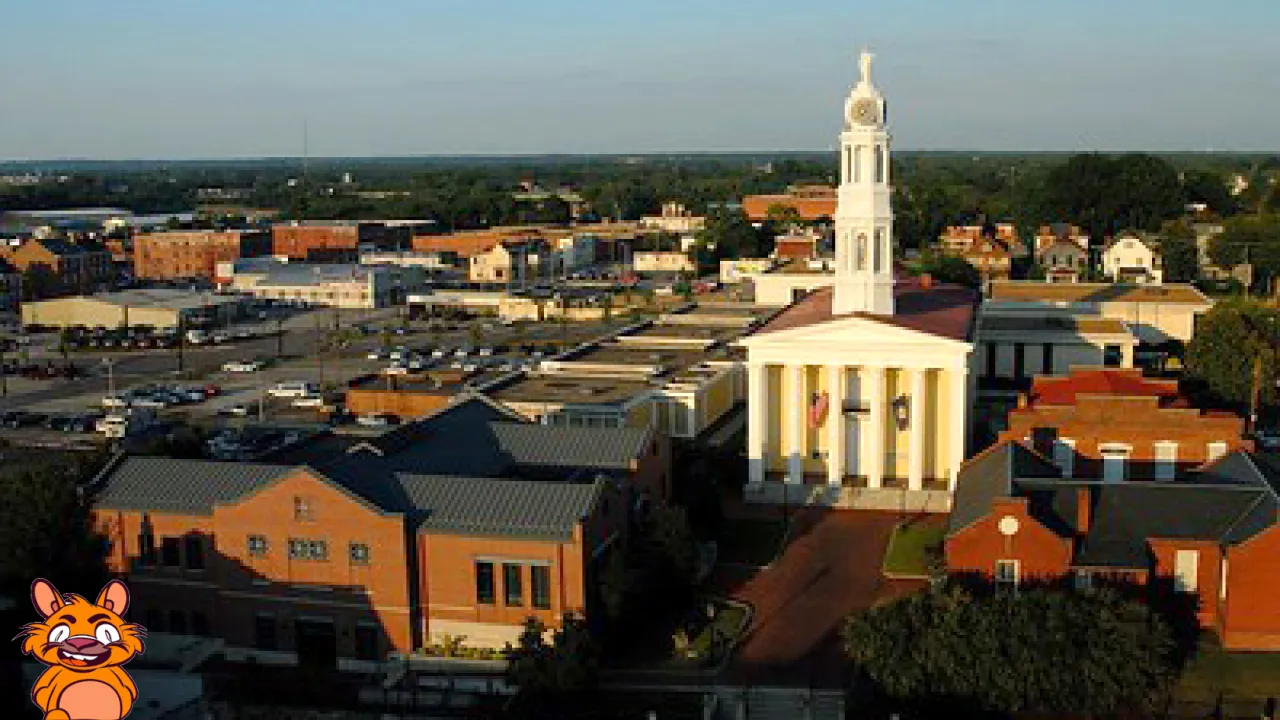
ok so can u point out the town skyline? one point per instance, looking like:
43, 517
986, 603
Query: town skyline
402, 79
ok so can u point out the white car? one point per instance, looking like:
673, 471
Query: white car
379, 354
486, 352
115, 402
373, 420
294, 389
396, 369
308, 401
439, 353
242, 366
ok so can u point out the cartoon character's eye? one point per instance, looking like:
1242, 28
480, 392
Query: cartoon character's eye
106, 633
59, 633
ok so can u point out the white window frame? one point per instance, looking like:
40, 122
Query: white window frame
1113, 454
1017, 571
1186, 570
1166, 460
1215, 450
1064, 455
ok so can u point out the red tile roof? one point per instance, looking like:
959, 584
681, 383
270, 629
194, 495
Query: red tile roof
1104, 381
943, 310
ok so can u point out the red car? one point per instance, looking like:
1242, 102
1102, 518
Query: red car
212, 391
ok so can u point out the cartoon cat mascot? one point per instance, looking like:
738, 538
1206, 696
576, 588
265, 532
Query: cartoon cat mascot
84, 644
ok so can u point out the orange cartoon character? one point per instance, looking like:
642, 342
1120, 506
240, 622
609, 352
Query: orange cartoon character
84, 644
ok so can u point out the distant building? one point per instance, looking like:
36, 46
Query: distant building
674, 218
733, 272
796, 245
1155, 314
1133, 258
332, 285
158, 308
194, 254
1047, 235
336, 241
990, 249
647, 262
812, 203
1063, 261
74, 268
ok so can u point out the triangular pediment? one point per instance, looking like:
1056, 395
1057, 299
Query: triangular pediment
849, 332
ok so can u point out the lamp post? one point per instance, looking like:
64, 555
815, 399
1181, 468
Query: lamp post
111, 376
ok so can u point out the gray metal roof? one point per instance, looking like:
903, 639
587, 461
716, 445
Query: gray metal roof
990, 476
577, 447
180, 486
500, 507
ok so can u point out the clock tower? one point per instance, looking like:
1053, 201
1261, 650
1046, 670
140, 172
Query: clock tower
864, 215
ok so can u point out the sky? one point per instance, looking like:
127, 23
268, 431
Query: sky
169, 79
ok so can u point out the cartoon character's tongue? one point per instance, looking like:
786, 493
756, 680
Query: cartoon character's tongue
73, 662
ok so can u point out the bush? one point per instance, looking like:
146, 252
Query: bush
1030, 650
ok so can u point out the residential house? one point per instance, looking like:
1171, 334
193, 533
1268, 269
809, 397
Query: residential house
1063, 261
1131, 258
71, 266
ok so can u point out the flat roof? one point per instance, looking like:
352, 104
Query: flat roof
670, 358
1054, 323
570, 389
1034, 291
684, 331
166, 298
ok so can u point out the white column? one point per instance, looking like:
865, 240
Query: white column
795, 423
958, 380
917, 411
757, 421
835, 424
873, 452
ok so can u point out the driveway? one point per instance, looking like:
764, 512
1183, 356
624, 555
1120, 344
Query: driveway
830, 568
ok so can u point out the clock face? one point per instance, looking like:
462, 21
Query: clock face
865, 112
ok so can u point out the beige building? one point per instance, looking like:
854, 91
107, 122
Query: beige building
673, 219
663, 261
159, 308
1153, 313
738, 270
343, 286
509, 261
1018, 347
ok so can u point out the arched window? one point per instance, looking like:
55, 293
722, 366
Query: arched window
861, 246
875, 254
857, 164
879, 169
882, 251
848, 163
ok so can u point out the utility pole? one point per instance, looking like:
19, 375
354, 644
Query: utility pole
111, 376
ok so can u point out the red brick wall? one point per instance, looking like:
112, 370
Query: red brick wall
1041, 552
1208, 572
299, 242
1251, 610
164, 256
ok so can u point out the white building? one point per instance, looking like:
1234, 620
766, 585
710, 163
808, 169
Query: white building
858, 393
1130, 258
343, 286
662, 261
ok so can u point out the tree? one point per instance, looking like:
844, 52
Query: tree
38, 282
1205, 187
782, 217
1251, 239
728, 234
950, 269
1036, 650
552, 676
45, 528
1105, 194
1179, 252
1232, 351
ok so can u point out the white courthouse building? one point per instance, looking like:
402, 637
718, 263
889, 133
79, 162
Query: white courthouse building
859, 391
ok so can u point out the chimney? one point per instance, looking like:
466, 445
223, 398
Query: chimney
1084, 509
926, 281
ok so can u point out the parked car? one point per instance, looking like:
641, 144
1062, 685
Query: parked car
376, 420
308, 401
291, 389
234, 411
378, 354
1267, 439
242, 366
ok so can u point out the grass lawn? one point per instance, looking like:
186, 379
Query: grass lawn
910, 548
1234, 674
750, 542
728, 624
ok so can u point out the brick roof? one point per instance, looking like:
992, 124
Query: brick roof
943, 310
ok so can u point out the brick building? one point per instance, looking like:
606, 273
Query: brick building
196, 253
1211, 534
1117, 424
812, 203
343, 551
336, 241
73, 267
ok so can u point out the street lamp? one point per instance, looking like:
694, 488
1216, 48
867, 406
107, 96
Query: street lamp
111, 376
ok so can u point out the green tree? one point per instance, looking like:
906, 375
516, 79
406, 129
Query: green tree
1178, 250
728, 234
782, 217
950, 269
552, 676
1206, 187
1037, 650
1251, 239
1106, 193
1233, 352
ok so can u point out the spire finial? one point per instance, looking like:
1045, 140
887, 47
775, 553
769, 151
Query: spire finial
864, 62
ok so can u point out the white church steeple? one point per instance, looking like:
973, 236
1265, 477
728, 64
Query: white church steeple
864, 214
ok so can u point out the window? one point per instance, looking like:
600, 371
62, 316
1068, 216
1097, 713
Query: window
484, 583
1046, 359
1186, 570
367, 642
264, 631
257, 546
170, 555
1064, 455
1112, 356
146, 547
1166, 460
1222, 585
308, 549
511, 584
540, 585
1006, 572
877, 252
178, 622
301, 508
195, 552
1114, 462
879, 168
199, 624
677, 418
1083, 580
359, 553
1216, 450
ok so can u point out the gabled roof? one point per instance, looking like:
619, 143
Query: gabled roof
570, 447
989, 476
190, 487
946, 311
500, 507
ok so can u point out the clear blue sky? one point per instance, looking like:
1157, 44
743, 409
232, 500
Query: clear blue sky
237, 78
